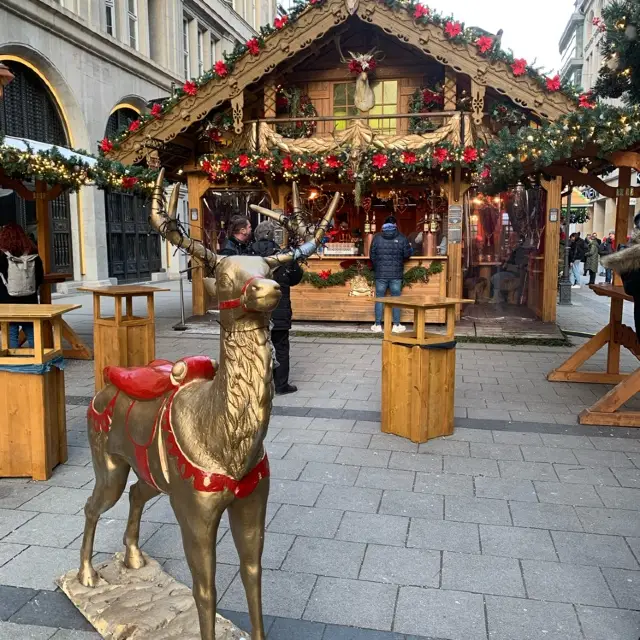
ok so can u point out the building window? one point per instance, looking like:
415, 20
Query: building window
110, 17
200, 52
343, 102
386, 96
132, 19
185, 47
215, 53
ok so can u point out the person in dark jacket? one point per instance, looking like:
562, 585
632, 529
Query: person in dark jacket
389, 251
286, 276
607, 247
239, 241
577, 255
14, 241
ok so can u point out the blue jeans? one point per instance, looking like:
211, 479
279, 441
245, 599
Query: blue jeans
576, 272
608, 276
395, 287
14, 335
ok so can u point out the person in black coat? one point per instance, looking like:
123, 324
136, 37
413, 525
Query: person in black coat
239, 241
14, 241
287, 276
389, 251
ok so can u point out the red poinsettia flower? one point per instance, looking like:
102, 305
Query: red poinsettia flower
408, 157
106, 145
279, 23
440, 155
553, 84
214, 135
486, 173
586, 101
355, 66
221, 69
452, 29
420, 11
190, 88
287, 163
379, 161
350, 175
156, 110
254, 46
519, 67
333, 162
128, 182
134, 125
244, 160
225, 165
206, 166
470, 155
324, 275
372, 65
484, 43
262, 164
313, 166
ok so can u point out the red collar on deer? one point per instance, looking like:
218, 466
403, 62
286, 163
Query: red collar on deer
237, 302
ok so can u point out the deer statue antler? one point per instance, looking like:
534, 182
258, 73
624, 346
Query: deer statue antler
310, 236
167, 225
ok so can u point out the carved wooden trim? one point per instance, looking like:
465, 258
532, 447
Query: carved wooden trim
237, 111
270, 100
450, 89
477, 101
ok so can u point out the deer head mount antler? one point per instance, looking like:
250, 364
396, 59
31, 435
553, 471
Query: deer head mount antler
309, 236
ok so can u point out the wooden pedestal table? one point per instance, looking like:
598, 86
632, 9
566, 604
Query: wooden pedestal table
124, 339
614, 335
418, 371
33, 428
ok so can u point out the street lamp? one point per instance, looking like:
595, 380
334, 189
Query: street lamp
565, 282
5, 77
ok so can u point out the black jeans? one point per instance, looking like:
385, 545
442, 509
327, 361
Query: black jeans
592, 276
280, 341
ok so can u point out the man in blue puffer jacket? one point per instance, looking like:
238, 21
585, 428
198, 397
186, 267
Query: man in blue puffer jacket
389, 251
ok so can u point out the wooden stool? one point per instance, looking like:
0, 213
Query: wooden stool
418, 371
122, 340
33, 427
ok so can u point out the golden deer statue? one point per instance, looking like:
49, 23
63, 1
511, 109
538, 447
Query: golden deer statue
195, 431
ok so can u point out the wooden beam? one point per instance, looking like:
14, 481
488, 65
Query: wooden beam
582, 179
197, 186
551, 249
629, 159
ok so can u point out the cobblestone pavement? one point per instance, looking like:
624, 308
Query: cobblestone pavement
521, 526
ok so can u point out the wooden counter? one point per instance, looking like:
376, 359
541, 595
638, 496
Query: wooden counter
345, 304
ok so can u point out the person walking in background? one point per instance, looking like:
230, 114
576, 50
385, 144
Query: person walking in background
576, 257
287, 276
591, 259
21, 274
389, 251
607, 247
239, 239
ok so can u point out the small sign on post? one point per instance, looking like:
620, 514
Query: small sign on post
454, 227
553, 215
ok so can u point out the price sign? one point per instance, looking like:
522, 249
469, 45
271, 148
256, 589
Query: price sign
454, 228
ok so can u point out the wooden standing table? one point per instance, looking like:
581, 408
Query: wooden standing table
614, 335
33, 429
124, 339
418, 371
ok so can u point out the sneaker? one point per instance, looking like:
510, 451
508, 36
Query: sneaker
398, 328
290, 388
575, 286
376, 328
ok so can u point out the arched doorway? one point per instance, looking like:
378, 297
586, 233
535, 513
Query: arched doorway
29, 110
133, 248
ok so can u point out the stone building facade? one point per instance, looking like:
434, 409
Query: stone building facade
86, 67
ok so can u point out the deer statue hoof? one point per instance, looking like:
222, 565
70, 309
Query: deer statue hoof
88, 576
134, 559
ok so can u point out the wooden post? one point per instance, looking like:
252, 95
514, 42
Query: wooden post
450, 89
622, 225
197, 186
553, 188
44, 236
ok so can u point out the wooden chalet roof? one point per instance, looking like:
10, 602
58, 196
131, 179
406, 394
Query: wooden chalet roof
316, 23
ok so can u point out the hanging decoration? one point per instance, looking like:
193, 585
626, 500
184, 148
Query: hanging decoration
217, 126
506, 114
361, 65
423, 100
293, 103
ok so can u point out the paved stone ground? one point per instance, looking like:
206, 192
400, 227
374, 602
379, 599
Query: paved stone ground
521, 526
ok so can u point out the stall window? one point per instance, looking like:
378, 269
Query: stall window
343, 102
386, 96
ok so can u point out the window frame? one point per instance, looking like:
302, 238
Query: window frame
132, 19
110, 9
186, 47
200, 49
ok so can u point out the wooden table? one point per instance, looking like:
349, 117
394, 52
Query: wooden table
33, 429
124, 339
614, 335
418, 371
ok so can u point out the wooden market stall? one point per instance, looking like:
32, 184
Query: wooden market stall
395, 125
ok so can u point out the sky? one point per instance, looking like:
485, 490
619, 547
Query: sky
532, 29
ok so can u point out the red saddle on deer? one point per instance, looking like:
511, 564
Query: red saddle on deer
154, 380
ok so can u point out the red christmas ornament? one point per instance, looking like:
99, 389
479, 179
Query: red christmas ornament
586, 101
156, 110
379, 161
190, 88
135, 125
420, 11
287, 163
519, 67
221, 69
440, 155
486, 173
484, 43
128, 182
106, 145
225, 165
452, 29
553, 84
324, 275
243, 160
253, 46
279, 23
470, 155
332, 162
262, 164
408, 157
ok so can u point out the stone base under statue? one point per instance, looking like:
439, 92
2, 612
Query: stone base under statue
144, 604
